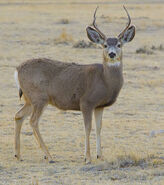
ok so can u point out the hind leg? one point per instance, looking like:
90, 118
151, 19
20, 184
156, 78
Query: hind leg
19, 117
34, 121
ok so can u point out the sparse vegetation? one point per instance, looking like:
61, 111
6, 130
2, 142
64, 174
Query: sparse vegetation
63, 38
144, 50
157, 162
84, 44
106, 19
149, 50
64, 21
160, 47
124, 161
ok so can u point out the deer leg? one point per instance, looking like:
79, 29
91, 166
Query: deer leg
98, 119
87, 115
37, 111
19, 117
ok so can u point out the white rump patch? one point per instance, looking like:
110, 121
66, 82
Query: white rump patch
115, 64
16, 79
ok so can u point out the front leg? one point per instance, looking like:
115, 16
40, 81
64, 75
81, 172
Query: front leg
87, 115
98, 119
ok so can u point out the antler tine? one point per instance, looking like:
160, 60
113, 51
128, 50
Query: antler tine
95, 26
128, 24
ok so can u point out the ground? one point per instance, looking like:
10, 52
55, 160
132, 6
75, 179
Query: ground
35, 29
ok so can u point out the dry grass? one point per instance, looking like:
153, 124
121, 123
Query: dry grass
144, 50
160, 47
63, 38
35, 181
84, 44
149, 50
28, 30
64, 21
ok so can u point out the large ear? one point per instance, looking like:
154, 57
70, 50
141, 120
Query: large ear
94, 36
128, 35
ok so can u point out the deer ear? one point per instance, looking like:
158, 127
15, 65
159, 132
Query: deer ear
128, 35
94, 36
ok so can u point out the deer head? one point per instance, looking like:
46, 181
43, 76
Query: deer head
112, 47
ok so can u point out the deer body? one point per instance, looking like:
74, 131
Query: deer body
70, 86
67, 85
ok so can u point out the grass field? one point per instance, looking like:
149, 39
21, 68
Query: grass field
36, 29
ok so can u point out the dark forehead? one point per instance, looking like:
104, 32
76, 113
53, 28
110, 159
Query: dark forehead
112, 41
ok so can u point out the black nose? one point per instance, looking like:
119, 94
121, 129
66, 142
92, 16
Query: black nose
112, 55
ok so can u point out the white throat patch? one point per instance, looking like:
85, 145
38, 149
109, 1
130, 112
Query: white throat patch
115, 64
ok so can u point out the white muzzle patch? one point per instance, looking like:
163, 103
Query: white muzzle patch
115, 64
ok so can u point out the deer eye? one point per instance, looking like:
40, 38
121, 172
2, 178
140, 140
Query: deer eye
119, 45
105, 46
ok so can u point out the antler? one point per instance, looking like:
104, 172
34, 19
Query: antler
128, 24
95, 26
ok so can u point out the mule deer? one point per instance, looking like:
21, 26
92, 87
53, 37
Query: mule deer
70, 86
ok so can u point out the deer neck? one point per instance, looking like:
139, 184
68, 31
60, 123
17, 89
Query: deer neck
113, 71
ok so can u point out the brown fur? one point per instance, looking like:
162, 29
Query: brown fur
66, 85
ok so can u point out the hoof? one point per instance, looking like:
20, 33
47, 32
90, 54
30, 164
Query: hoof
98, 157
45, 157
51, 161
18, 158
87, 161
